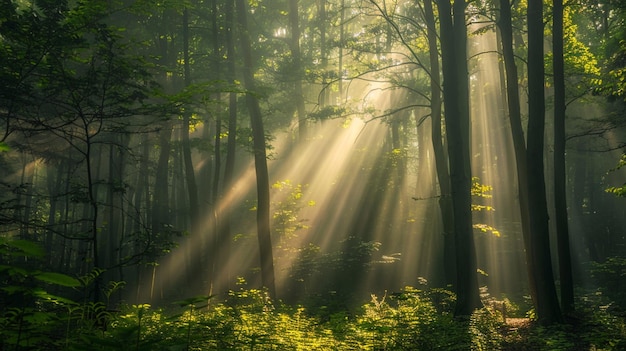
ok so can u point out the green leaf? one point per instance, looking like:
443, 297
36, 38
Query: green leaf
53, 298
58, 279
13, 271
29, 248
193, 300
4, 147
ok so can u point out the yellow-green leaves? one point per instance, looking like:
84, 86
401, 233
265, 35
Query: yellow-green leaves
620, 190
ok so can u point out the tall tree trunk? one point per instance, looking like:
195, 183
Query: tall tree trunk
441, 159
217, 167
25, 196
194, 268
115, 224
93, 210
140, 207
457, 118
547, 304
297, 67
560, 176
321, 15
231, 145
517, 131
192, 188
54, 179
260, 157
160, 202
341, 43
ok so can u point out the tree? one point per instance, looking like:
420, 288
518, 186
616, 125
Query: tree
297, 67
547, 303
190, 177
260, 157
229, 166
456, 105
560, 176
517, 132
441, 162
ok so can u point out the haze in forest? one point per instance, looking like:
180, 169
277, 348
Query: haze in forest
166, 150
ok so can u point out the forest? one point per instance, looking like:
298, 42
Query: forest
312, 175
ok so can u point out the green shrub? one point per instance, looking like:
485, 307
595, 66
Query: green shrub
610, 276
409, 321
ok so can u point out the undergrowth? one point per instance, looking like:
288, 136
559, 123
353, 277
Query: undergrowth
248, 320
31, 318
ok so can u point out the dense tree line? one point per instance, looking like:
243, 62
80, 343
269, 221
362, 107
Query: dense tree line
129, 127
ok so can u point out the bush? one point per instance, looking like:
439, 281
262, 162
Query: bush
610, 275
410, 321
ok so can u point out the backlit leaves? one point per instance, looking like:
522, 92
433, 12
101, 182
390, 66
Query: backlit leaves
621, 190
58, 279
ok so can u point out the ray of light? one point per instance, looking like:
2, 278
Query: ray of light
500, 257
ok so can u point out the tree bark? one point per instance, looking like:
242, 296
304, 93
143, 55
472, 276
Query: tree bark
547, 304
560, 176
260, 157
297, 67
231, 144
160, 202
194, 259
192, 188
441, 160
216, 236
321, 14
517, 132
457, 118
341, 44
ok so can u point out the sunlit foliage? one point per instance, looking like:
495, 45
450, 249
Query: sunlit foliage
618, 190
412, 319
482, 191
286, 211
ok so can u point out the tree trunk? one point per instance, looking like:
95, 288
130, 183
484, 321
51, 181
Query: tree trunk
217, 142
560, 176
456, 103
321, 14
519, 143
260, 158
229, 166
115, 201
547, 304
441, 160
192, 188
160, 202
341, 44
139, 206
92, 213
297, 67
194, 269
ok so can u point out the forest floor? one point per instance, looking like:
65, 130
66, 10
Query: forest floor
521, 334
516, 334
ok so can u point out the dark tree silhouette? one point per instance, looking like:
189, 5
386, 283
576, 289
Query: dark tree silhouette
260, 156
456, 104
547, 303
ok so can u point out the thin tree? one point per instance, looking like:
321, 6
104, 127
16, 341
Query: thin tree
560, 201
297, 67
517, 132
260, 156
190, 177
441, 161
231, 143
321, 18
